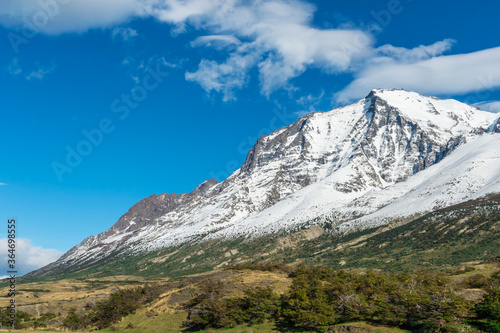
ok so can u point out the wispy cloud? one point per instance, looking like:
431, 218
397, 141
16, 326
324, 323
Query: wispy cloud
3, 184
404, 55
40, 73
71, 16
490, 106
446, 74
125, 34
280, 42
226, 77
278, 35
139, 67
28, 256
14, 67
217, 42
276, 38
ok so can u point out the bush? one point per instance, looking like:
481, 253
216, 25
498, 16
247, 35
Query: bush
256, 307
21, 318
320, 297
476, 281
488, 311
309, 304
207, 308
74, 322
119, 304
210, 309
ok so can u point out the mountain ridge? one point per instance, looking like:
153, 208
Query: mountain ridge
343, 155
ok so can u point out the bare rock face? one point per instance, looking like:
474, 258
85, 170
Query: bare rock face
267, 150
496, 127
155, 206
399, 146
345, 154
145, 211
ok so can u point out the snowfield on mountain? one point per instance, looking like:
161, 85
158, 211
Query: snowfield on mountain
392, 154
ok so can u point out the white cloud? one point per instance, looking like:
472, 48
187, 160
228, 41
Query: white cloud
171, 64
279, 39
218, 42
296, 48
490, 106
225, 77
451, 74
418, 53
178, 12
28, 256
125, 34
62, 16
270, 34
3, 184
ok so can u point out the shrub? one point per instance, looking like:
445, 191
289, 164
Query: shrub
210, 309
121, 303
488, 311
73, 321
476, 281
207, 308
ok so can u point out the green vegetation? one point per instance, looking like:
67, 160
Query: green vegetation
488, 311
321, 297
427, 278
34, 290
209, 309
105, 313
24, 319
314, 299
265, 267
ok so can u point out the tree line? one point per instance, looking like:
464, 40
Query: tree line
320, 297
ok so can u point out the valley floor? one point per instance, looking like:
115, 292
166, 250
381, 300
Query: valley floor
48, 303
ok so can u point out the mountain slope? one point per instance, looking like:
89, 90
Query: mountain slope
447, 237
357, 165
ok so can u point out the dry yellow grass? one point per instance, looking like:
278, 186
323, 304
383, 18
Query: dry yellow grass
59, 296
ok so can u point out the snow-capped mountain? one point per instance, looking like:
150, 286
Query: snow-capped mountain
393, 153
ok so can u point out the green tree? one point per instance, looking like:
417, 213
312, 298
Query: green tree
489, 310
73, 321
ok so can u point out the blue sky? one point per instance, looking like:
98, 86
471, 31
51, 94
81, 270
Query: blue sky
159, 95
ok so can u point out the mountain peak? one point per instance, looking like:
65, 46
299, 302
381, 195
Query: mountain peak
348, 162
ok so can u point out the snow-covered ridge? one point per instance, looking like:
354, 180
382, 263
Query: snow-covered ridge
362, 163
452, 117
